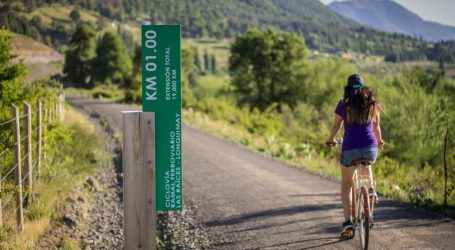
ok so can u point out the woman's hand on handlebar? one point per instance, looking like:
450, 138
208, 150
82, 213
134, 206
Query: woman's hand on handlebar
331, 143
381, 144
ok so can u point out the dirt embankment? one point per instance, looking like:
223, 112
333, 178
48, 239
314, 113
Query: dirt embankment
41, 60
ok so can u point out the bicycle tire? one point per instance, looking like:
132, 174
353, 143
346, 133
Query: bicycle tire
353, 199
364, 223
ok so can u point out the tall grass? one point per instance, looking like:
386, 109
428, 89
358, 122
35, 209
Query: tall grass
413, 122
81, 152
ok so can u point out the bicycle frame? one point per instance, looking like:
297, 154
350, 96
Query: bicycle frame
358, 182
362, 205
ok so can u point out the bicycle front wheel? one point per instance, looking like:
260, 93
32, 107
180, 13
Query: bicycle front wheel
364, 219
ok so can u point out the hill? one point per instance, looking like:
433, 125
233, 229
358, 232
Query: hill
323, 29
40, 59
392, 17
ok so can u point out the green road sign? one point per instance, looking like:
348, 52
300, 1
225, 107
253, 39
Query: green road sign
161, 93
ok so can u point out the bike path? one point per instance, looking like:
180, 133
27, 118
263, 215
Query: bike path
251, 201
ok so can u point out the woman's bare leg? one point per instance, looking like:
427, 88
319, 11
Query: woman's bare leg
346, 186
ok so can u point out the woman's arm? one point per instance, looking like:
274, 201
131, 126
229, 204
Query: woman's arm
377, 131
335, 128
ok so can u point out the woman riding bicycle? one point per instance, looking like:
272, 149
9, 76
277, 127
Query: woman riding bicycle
359, 112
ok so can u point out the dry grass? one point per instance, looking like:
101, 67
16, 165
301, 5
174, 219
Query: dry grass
60, 14
41, 60
75, 118
220, 48
60, 178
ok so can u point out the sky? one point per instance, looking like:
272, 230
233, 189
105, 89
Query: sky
441, 11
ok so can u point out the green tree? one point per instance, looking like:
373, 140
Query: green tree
213, 64
10, 75
268, 67
8, 70
75, 16
188, 77
197, 59
111, 62
137, 60
206, 61
79, 55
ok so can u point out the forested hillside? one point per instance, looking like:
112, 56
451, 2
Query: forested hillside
323, 29
392, 17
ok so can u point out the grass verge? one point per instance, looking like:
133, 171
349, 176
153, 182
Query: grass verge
416, 186
74, 151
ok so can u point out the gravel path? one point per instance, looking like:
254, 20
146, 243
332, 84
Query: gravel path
250, 201
93, 215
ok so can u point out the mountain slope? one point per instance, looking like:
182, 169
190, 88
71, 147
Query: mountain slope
323, 29
391, 17
41, 60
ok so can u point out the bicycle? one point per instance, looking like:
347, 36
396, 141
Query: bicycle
362, 202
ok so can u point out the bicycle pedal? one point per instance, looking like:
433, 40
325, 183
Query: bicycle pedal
349, 234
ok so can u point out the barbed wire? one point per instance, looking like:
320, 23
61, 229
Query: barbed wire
25, 177
8, 121
8, 173
35, 174
25, 156
4, 152
22, 116
23, 138
19, 207
35, 129
35, 162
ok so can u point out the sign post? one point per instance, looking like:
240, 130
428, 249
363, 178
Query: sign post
161, 93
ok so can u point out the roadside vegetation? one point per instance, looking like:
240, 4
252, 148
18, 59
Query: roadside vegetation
273, 95
418, 110
278, 99
73, 151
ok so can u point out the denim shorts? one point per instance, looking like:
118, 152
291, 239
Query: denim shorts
348, 156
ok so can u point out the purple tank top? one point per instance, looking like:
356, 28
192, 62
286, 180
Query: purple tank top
355, 135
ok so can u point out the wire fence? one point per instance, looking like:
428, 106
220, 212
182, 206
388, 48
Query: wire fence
22, 158
7, 122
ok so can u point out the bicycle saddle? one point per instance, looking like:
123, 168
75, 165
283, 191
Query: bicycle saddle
362, 162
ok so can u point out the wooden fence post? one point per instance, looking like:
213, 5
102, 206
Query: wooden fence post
446, 142
44, 133
139, 180
1, 205
62, 107
17, 172
39, 132
28, 147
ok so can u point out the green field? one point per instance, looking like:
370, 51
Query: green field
61, 14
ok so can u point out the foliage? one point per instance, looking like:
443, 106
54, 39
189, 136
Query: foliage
8, 70
418, 106
78, 57
323, 29
414, 128
268, 67
75, 15
112, 63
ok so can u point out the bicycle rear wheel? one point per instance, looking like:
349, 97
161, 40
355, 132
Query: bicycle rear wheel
364, 219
